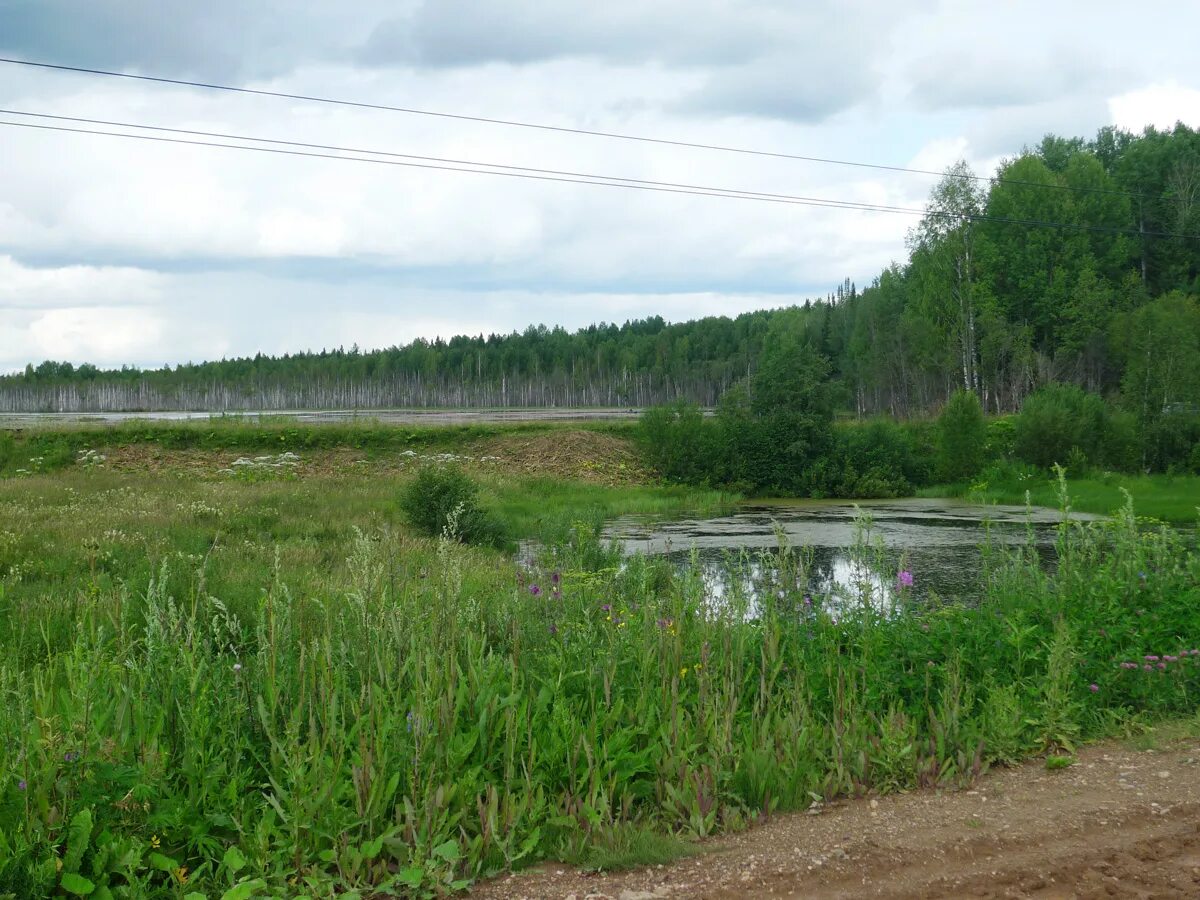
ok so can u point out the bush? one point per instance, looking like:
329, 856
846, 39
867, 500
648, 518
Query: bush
443, 499
1055, 420
676, 442
962, 434
874, 459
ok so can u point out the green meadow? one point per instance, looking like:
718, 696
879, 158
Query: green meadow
262, 682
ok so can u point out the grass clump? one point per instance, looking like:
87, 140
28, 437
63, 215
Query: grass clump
443, 499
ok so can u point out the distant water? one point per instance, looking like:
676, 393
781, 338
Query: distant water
328, 416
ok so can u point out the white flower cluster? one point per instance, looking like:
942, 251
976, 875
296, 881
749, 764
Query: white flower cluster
89, 459
282, 462
446, 457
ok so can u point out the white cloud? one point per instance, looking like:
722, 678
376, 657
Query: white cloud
29, 287
1160, 105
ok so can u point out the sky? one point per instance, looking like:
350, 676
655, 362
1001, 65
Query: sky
120, 252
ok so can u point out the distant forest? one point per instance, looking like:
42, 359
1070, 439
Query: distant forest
1077, 262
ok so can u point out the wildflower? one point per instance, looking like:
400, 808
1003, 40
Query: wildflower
553, 628
1147, 668
154, 842
905, 578
1162, 667
925, 627
535, 590
70, 756
807, 600
1094, 688
237, 667
21, 785
555, 578
663, 623
181, 875
683, 672
1169, 658
605, 607
1129, 665
1150, 657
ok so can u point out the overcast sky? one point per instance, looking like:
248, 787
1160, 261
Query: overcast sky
116, 251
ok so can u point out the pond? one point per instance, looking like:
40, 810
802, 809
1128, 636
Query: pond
847, 547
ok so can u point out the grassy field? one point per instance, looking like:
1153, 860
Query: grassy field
1167, 498
260, 683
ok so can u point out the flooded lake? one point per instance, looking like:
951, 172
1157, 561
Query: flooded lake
938, 541
331, 416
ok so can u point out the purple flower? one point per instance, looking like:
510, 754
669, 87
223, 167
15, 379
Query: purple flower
1094, 688
1162, 666
21, 785
70, 756
555, 578
1129, 665
553, 628
905, 578
535, 590
1169, 658
605, 607
663, 623
807, 600
1150, 657
1147, 668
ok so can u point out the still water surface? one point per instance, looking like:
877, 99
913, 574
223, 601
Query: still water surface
939, 541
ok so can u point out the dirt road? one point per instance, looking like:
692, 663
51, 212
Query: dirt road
1121, 823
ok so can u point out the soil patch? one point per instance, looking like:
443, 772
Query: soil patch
577, 455
1120, 823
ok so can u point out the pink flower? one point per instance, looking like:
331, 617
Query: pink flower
1094, 688
905, 578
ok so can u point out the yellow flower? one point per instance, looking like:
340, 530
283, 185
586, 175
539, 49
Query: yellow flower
154, 842
683, 672
181, 875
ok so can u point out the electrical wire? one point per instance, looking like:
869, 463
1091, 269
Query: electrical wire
562, 129
484, 168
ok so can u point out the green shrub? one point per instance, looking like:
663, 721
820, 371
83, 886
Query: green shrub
874, 459
445, 500
1058, 418
961, 435
676, 442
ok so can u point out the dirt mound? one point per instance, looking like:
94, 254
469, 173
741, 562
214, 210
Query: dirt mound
1118, 824
576, 454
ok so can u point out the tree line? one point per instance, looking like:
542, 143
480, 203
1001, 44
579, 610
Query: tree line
1077, 262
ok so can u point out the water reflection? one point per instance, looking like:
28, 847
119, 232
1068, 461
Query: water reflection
845, 553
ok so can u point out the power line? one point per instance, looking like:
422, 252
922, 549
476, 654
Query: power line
562, 129
438, 159
485, 168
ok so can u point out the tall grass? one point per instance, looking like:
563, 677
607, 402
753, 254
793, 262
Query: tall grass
428, 713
